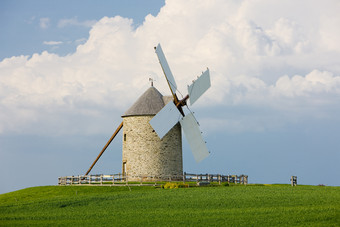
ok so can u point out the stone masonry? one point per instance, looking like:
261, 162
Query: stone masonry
145, 154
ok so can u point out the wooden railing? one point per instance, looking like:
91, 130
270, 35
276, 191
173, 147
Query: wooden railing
237, 179
119, 179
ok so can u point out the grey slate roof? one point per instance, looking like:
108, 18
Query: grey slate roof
150, 103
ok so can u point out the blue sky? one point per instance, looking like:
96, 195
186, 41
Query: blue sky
28, 24
70, 69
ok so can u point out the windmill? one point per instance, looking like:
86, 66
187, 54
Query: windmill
173, 112
152, 140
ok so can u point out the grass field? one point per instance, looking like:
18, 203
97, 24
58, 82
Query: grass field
250, 205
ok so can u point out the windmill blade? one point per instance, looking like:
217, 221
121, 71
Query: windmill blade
199, 86
166, 70
194, 137
165, 119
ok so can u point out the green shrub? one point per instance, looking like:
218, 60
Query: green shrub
172, 185
225, 184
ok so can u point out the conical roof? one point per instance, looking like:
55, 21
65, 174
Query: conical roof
150, 103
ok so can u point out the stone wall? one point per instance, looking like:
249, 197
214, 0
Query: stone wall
145, 154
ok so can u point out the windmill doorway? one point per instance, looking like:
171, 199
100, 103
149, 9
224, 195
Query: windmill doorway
124, 168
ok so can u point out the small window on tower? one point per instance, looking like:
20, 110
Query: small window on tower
124, 137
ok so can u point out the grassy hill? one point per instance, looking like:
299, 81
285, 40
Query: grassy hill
127, 206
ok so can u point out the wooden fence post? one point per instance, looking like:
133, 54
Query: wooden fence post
293, 180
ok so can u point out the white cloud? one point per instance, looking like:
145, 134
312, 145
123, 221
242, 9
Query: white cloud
74, 22
275, 61
52, 43
44, 22
313, 84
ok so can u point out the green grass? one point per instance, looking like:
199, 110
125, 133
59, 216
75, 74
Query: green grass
265, 205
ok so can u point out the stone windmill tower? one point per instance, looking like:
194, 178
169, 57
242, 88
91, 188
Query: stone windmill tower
144, 153
152, 138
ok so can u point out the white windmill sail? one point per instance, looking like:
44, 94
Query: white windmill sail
166, 69
199, 86
165, 119
194, 137
171, 114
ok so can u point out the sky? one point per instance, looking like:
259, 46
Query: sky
70, 69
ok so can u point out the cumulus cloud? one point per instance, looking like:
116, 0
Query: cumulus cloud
52, 43
75, 22
44, 22
274, 62
314, 83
